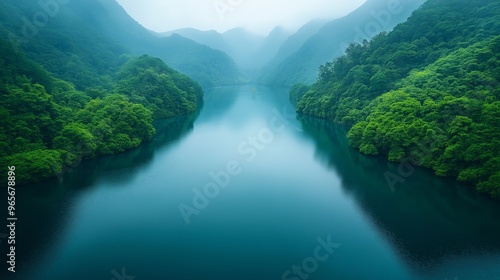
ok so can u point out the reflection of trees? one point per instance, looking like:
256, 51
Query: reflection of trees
169, 132
217, 101
427, 218
42, 207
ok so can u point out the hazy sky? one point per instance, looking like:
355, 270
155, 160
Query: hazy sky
259, 16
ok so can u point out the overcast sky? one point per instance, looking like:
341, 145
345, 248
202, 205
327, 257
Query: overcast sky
259, 16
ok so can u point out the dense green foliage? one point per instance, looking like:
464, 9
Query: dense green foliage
67, 48
428, 90
297, 92
86, 41
47, 125
446, 117
366, 71
162, 90
302, 65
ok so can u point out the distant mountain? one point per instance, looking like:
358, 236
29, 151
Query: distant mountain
270, 47
331, 40
211, 38
242, 45
249, 51
238, 43
295, 41
95, 33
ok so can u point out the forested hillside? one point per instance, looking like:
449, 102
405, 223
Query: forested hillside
451, 110
164, 91
86, 41
47, 125
428, 90
329, 42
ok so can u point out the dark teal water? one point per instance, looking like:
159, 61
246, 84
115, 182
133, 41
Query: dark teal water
289, 200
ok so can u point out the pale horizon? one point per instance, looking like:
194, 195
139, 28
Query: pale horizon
220, 16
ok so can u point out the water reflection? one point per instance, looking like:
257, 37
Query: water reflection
169, 132
40, 209
123, 210
429, 220
217, 101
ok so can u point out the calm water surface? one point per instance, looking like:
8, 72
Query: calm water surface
285, 198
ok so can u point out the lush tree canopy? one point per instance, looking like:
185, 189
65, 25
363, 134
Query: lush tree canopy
429, 90
446, 117
86, 41
162, 90
47, 125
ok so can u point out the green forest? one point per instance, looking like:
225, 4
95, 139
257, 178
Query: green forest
48, 125
74, 90
86, 41
78, 88
428, 91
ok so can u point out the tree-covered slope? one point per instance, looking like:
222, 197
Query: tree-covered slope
446, 117
64, 44
428, 91
92, 39
48, 126
164, 91
350, 82
331, 40
207, 66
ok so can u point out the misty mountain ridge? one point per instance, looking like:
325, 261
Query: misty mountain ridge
295, 41
332, 39
284, 58
88, 32
249, 50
